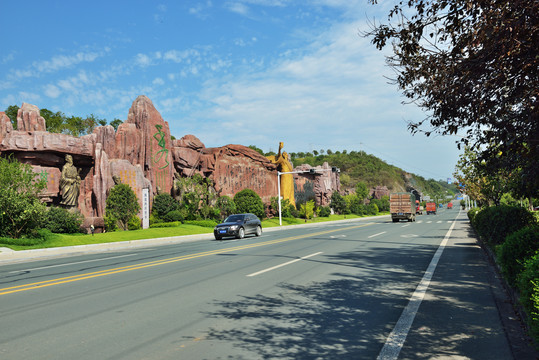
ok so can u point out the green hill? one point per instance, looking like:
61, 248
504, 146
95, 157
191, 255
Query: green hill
358, 166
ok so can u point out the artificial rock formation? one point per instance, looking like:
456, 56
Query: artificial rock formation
324, 182
141, 154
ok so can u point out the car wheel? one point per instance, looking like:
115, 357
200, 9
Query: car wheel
241, 233
218, 237
258, 230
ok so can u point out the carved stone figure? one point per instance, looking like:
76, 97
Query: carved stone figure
70, 183
287, 180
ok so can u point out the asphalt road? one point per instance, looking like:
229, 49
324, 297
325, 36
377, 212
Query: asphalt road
345, 290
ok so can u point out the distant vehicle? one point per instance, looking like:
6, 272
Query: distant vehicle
431, 208
238, 225
418, 208
402, 206
450, 205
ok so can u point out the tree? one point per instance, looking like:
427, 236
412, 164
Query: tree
115, 123
362, 191
53, 121
248, 201
226, 206
258, 150
121, 205
473, 67
307, 210
163, 204
21, 211
338, 204
11, 113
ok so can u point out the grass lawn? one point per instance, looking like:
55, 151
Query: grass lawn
59, 240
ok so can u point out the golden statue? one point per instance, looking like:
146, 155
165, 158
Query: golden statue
287, 180
70, 183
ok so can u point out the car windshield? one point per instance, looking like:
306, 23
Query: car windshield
234, 218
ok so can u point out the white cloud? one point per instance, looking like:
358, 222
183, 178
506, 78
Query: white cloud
52, 91
158, 81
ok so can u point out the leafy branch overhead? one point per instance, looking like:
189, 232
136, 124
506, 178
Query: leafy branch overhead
473, 67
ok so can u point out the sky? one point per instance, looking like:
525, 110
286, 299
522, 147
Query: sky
249, 72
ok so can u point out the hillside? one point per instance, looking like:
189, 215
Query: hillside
359, 166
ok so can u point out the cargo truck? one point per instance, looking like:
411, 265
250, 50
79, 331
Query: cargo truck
431, 208
450, 205
402, 206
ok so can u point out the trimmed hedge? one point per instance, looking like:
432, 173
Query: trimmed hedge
516, 249
528, 284
494, 223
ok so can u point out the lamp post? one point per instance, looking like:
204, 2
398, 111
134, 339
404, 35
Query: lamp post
310, 171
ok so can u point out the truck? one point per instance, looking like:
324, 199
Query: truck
450, 205
402, 206
418, 208
431, 208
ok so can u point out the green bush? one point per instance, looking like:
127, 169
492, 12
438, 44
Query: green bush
248, 201
494, 223
61, 221
516, 249
172, 216
134, 223
372, 209
472, 213
121, 205
325, 211
110, 223
528, 284
163, 204
166, 224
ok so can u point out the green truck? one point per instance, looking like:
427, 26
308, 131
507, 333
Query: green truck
402, 206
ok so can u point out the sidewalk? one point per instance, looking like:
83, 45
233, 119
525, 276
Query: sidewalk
466, 309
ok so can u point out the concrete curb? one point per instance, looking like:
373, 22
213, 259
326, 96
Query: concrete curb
11, 256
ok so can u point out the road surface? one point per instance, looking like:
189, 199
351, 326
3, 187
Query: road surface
368, 289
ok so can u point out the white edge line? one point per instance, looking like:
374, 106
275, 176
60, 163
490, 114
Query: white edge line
396, 339
383, 232
73, 263
284, 264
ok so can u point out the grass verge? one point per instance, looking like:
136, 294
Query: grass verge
60, 240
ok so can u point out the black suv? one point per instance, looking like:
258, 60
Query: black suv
238, 225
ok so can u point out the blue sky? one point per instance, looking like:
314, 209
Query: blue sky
250, 72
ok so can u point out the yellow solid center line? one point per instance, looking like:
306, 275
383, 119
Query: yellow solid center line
68, 279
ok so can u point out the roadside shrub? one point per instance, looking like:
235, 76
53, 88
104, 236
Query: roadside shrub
172, 216
528, 284
134, 223
516, 249
163, 204
121, 205
226, 206
61, 221
325, 211
372, 209
494, 223
248, 201
166, 224
110, 223
472, 213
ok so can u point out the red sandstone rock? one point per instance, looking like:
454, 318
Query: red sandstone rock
6, 126
155, 144
29, 118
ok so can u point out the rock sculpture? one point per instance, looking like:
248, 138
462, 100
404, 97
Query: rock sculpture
287, 180
140, 154
70, 183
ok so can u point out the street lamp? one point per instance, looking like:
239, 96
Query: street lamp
310, 171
